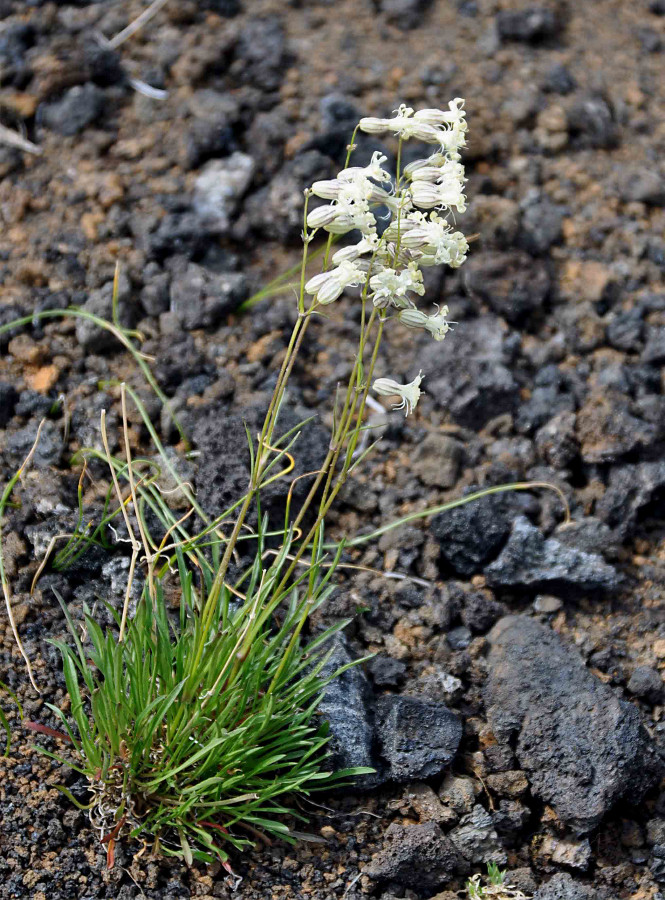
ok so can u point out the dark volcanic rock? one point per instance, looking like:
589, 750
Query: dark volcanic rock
541, 227
533, 24
415, 856
644, 185
347, 706
201, 298
79, 107
562, 887
592, 123
262, 50
471, 535
646, 683
477, 385
513, 284
581, 747
406, 14
476, 839
607, 430
8, 398
15, 41
416, 738
531, 561
631, 488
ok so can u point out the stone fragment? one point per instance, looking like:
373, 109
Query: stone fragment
201, 298
347, 707
417, 738
563, 887
644, 185
529, 25
418, 856
581, 747
78, 108
531, 561
592, 122
646, 683
437, 460
513, 284
630, 490
476, 840
471, 535
219, 188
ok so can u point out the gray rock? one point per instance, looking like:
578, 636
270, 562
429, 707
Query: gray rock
530, 25
277, 209
557, 440
476, 840
347, 706
477, 385
571, 854
654, 351
607, 429
631, 488
458, 793
531, 561
646, 683
590, 535
513, 284
406, 14
78, 108
100, 302
437, 460
219, 188
592, 123
416, 738
626, 330
49, 449
562, 887
8, 398
581, 747
386, 671
202, 298
418, 856
644, 185
541, 227
263, 52
471, 535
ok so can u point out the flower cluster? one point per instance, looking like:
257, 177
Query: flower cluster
420, 201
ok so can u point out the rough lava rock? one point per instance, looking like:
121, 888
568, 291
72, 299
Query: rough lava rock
631, 488
531, 561
477, 385
471, 535
418, 856
347, 706
476, 839
562, 887
582, 748
417, 739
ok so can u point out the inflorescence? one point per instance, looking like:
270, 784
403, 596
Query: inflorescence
387, 267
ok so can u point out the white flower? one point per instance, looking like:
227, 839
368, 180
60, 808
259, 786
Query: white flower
438, 325
390, 286
328, 286
327, 190
373, 170
432, 238
367, 244
410, 393
434, 126
448, 194
321, 216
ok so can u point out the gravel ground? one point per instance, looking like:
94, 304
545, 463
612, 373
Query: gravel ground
514, 711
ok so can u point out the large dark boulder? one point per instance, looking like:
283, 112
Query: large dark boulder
582, 748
